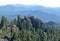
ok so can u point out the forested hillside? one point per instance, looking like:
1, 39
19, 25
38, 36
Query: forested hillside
27, 28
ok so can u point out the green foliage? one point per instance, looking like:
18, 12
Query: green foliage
27, 29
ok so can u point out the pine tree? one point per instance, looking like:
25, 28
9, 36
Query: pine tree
4, 22
15, 21
19, 22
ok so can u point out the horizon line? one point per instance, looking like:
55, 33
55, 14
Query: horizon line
29, 5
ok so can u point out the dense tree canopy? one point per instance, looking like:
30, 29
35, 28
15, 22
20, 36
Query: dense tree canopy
27, 29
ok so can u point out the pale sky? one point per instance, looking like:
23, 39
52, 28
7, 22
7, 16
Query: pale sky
48, 3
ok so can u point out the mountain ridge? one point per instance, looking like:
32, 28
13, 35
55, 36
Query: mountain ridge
41, 12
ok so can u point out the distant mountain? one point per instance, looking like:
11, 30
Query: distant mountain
44, 13
53, 24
